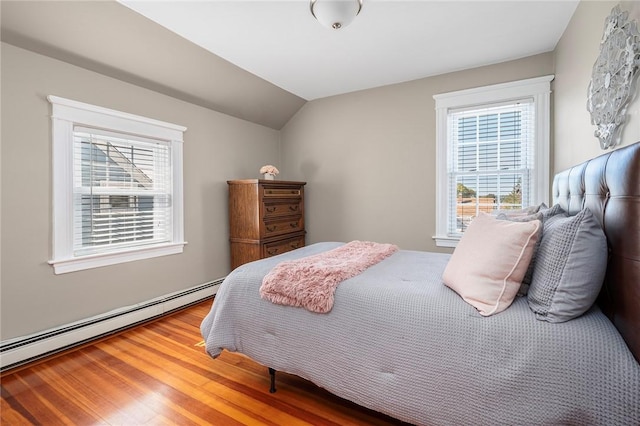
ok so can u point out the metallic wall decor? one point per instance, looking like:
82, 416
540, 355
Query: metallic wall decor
612, 85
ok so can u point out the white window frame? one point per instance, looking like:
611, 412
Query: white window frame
65, 115
539, 89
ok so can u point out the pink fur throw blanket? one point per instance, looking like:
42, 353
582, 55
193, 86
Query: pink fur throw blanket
311, 281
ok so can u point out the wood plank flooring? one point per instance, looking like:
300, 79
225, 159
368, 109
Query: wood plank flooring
157, 374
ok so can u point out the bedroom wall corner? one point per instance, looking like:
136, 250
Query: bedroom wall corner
368, 157
574, 56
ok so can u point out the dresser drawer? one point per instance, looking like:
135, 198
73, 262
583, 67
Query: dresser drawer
283, 225
271, 192
274, 208
282, 246
266, 217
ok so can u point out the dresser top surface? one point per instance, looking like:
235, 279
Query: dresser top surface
264, 181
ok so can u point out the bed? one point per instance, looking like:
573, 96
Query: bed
400, 342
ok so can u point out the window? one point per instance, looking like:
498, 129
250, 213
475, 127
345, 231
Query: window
117, 187
492, 152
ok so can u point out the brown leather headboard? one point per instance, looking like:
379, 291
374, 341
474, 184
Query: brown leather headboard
609, 185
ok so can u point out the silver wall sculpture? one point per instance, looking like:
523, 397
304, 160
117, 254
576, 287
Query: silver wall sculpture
612, 85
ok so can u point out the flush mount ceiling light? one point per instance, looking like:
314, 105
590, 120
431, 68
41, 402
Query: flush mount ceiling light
335, 14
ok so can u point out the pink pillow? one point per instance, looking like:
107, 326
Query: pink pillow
490, 261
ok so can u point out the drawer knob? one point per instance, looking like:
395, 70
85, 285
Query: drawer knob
271, 228
272, 251
271, 209
293, 208
294, 224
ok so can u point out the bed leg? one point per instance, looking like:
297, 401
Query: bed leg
272, 373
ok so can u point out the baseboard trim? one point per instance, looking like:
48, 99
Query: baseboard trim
26, 349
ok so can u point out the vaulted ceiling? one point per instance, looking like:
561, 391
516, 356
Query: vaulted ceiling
262, 60
388, 42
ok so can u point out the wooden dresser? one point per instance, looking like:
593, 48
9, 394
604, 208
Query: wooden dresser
266, 217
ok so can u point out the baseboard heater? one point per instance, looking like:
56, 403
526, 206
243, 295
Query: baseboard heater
25, 349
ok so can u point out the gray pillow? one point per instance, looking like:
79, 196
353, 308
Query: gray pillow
521, 212
526, 281
520, 217
543, 214
570, 266
552, 211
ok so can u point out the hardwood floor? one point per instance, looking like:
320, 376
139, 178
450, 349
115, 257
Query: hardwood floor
157, 374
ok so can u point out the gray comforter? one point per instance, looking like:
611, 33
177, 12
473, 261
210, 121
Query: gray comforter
400, 342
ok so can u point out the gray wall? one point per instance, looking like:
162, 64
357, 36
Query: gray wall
369, 156
574, 57
217, 147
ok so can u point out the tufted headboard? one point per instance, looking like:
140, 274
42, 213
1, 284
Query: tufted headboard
609, 185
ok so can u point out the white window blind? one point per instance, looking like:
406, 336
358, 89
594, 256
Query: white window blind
117, 186
490, 160
492, 152
122, 191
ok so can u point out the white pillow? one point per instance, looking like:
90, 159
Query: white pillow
490, 261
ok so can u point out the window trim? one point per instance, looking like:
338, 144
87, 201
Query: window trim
539, 89
65, 115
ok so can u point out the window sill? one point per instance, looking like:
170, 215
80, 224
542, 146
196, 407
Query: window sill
63, 266
446, 241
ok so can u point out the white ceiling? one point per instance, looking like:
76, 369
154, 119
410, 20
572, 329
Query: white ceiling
389, 42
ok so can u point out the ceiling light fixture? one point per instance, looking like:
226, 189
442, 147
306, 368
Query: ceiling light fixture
335, 14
